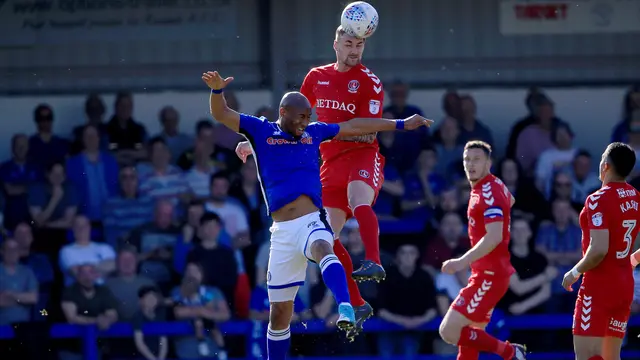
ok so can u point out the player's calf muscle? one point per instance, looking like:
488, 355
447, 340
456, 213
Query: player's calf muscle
280, 314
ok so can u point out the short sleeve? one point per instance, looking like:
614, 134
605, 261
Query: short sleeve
106, 252
597, 216
251, 126
307, 88
495, 203
322, 131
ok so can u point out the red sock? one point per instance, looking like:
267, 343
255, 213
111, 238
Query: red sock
483, 342
345, 258
467, 353
596, 357
369, 231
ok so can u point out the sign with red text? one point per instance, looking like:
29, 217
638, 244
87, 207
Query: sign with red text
538, 17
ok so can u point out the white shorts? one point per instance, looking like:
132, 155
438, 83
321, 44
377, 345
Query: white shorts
290, 250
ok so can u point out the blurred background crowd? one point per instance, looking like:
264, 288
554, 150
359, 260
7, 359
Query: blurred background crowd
129, 205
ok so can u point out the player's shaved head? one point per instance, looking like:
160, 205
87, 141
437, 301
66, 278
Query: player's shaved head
295, 99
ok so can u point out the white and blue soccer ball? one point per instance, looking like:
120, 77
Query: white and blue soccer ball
359, 19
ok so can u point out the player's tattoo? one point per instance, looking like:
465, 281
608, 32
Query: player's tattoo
368, 138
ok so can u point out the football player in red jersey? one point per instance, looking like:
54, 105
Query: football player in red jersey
352, 169
489, 225
609, 222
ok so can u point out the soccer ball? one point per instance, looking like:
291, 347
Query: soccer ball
359, 19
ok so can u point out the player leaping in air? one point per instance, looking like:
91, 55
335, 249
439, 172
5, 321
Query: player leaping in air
489, 228
286, 153
609, 222
352, 168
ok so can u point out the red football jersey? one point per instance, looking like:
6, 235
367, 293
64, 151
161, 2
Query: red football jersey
490, 201
615, 208
342, 96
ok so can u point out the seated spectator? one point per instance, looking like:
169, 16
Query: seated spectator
451, 239
54, 204
46, 148
218, 157
530, 286
407, 298
422, 186
447, 146
161, 180
83, 251
530, 203
630, 104
18, 286
127, 283
585, 180
37, 262
534, 96
448, 287
94, 174
148, 346
233, 216
449, 201
154, 243
219, 264
176, 141
470, 127
85, 303
248, 191
190, 227
203, 164
206, 307
562, 189
94, 110
17, 174
557, 158
536, 137
560, 242
126, 136
387, 205
127, 210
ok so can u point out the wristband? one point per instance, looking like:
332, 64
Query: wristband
216, 91
575, 273
399, 124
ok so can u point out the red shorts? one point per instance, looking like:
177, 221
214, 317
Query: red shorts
482, 294
599, 314
362, 164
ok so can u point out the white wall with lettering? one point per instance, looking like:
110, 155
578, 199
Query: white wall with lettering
592, 113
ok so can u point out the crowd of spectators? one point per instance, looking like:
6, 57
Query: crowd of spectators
112, 224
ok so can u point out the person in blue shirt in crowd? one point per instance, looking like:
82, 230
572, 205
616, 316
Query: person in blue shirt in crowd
287, 157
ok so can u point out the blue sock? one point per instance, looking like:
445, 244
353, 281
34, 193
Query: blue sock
335, 278
278, 342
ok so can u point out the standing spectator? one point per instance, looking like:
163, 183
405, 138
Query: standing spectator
155, 242
149, 347
46, 148
18, 286
219, 264
176, 141
470, 127
536, 138
94, 110
407, 298
160, 179
233, 216
127, 283
94, 174
447, 146
126, 136
218, 157
248, 191
450, 240
530, 203
39, 263
84, 251
127, 210
560, 242
205, 163
562, 189
530, 286
85, 303
557, 158
585, 180
206, 307
630, 103
389, 200
533, 97
17, 174
422, 186
451, 104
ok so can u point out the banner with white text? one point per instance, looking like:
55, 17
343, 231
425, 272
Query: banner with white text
538, 17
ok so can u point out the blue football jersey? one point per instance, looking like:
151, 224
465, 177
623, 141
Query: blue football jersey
288, 167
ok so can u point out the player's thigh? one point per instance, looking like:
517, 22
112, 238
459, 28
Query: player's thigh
590, 315
287, 267
337, 219
586, 347
617, 327
365, 178
314, 233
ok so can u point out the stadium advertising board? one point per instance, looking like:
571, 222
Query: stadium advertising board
27, 22
531, 17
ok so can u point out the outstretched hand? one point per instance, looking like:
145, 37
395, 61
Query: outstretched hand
214, 81
415, 121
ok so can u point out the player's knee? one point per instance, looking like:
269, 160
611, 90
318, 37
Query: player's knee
320, 249
449, 333
360, 193
280, 314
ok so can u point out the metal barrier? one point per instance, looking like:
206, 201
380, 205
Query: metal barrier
500, 326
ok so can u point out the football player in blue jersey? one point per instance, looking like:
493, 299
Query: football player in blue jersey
287, 154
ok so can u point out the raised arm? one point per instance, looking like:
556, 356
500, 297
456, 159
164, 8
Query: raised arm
217, 104
362, 126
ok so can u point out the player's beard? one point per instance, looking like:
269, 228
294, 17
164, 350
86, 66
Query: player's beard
351, 61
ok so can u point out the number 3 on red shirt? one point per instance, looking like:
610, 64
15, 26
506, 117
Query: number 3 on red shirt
628, 240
